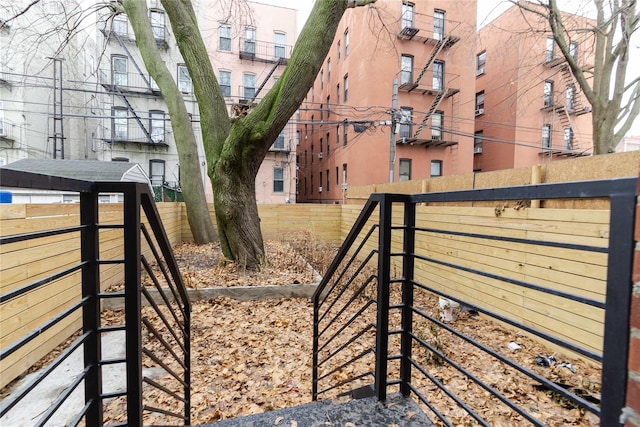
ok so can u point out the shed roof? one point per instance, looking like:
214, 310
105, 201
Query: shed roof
82, 170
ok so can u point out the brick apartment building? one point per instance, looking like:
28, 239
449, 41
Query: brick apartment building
529, 109
358, 127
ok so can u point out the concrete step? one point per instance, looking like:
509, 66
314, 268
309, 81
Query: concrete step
396, 411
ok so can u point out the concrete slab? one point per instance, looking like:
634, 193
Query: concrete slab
396, 411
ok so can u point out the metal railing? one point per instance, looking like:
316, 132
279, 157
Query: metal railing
156, 358
257, 50
370, 320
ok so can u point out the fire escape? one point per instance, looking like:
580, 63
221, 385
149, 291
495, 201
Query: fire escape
430, 31
571, 106
122, 89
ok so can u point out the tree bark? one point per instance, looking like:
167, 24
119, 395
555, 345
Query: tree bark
190, 177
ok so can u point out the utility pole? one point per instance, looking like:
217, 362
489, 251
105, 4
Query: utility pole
392, 134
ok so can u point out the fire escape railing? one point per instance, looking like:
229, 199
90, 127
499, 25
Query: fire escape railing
157, 335
367, 320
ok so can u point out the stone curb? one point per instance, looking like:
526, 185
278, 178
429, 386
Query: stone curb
242, 293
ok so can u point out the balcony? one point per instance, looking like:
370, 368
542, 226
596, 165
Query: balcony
119, 31
427, 29
429, 84
6, 131
256, 50
131, 133
127, 82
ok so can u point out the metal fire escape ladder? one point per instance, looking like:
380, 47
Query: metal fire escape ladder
273, 69
566, 122
570, 81
135, 64
434, 106
436, 50
116, 89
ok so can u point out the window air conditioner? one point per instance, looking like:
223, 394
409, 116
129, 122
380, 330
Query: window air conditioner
344, 186
480, 71
436, 137
319, 189
479, 111
320, 155
477, 150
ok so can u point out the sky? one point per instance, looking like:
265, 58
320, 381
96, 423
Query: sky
488, 10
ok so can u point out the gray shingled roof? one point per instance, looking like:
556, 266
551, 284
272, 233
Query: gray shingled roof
85, 170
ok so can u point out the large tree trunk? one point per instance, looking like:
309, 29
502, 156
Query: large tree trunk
190, 177
236, 150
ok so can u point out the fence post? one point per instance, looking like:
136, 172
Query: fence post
90, 253
132, 303
407, 296
384, 273
617, 309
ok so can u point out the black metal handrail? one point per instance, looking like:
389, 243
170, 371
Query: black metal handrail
399, 320
157, 335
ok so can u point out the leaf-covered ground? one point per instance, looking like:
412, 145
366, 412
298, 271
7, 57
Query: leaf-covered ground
250, 357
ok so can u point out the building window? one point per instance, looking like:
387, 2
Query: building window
249, 43
407, 15
479, 103
550, 50
338, 93
312, 186
438, 24
344, 174
327, 175
249, 92
156, 172
224, 37
329, 71
225, 83
312, 153
321, 79
548, 93
297, 137
337, 135
346, 43
156, 125
481, 60
337, 176
321, 113
119, 123
568, 138
404, 174
279, 142
328, 106
573, 50
321, 147
570, 97
406, 122
280, 40
156, 17
345, 88
184, 79
120, 24
338, 49
478, 137
328, 144
119, 70
345, 128
406, 69
546, 136
278, 180
437, 120
436, 167
320, 182
438, 75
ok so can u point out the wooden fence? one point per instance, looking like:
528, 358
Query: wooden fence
21, 263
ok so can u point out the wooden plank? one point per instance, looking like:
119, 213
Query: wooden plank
16, 326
